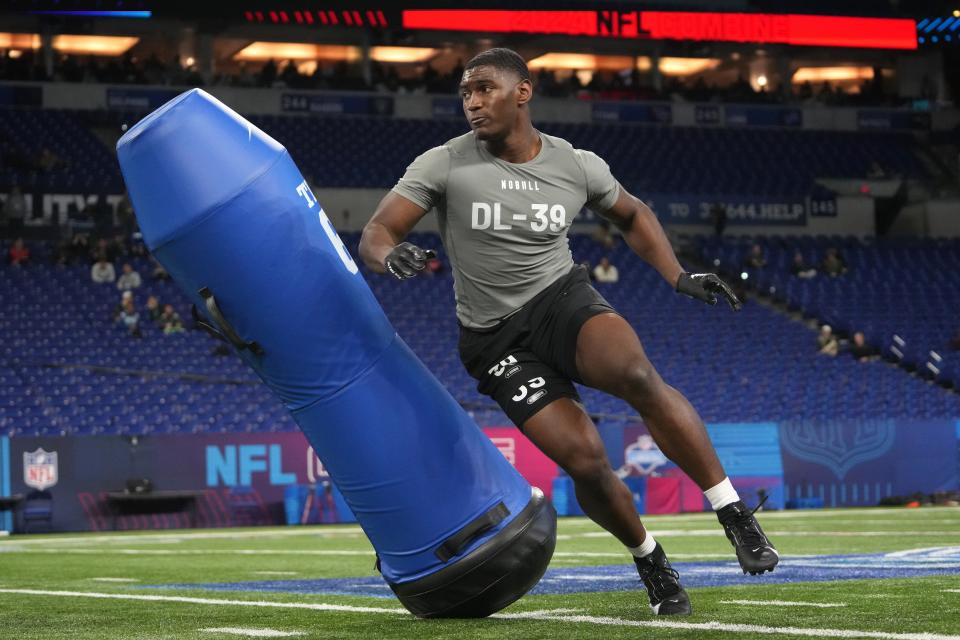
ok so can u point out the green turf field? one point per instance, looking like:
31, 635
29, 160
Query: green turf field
86, 586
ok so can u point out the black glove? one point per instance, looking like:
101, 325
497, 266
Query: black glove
406, 260
706, 287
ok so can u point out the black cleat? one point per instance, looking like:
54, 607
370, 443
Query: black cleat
754, 550
667, 597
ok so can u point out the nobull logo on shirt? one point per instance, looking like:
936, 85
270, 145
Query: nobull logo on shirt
519, 185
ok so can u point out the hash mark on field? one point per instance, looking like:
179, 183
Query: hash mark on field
254, 633
786, 603
115, 579
520, 615
951, 590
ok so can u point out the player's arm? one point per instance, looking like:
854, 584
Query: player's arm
381, 246
643, 233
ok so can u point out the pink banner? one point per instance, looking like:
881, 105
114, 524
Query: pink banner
537, 468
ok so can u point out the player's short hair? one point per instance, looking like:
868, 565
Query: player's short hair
501, 58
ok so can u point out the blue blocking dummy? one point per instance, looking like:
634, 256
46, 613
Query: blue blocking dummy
458, 532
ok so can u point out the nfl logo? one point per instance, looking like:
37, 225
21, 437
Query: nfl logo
40, 469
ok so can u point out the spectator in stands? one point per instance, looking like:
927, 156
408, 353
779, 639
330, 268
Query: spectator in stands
130, 318
756, 258
154, 310
827, 342
102, 270
170, 320
14, 212
800, 268
19, 254
606, 272
718, 212
955, 341
602, 235
106, 249
117, 310
159, 273
130, 279
833, 263
860, 350
434, 266
48, 161
876, 172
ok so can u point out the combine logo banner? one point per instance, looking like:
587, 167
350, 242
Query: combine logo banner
40, 469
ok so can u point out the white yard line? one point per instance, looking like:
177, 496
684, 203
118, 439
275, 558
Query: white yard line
786, 603
197, 552
315, 606
254, 633
811, 632
183, 536
275, 573
699, 533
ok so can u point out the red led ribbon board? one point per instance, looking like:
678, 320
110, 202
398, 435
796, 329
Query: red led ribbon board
765, 28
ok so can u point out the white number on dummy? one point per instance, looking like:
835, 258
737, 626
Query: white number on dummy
304, 191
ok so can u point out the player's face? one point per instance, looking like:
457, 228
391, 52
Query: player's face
490, 101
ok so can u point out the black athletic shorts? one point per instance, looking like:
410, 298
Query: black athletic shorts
529, 359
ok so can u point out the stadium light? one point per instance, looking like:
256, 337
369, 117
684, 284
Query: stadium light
402, 54
582, 61
687, 66
261, 51
94, 45
831, 74
19, 41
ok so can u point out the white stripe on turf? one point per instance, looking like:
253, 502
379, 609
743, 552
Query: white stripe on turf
520, 615
275, 573
198, 552
115, 579
785, 603
315, 606
254, 633
181, 536
951, 590
597, 620
698, 533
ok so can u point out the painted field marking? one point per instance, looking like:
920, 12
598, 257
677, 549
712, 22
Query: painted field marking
520, 615
199, 552
568, 619
275, 573
185, 536
254, 633
314, 606
951, 590
115, 579
786, 603
698, 533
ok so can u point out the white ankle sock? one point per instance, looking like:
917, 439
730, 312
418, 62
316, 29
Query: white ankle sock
645, 548
721, 495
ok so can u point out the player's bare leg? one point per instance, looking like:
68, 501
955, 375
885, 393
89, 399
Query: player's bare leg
565, 432
611, 358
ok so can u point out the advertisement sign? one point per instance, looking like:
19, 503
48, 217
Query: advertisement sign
631, 112
889, 120
741, 210
139, 99
861, 463
762, 116
329, 104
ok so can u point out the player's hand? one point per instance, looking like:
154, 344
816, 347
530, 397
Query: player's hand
407, 260
706, 287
